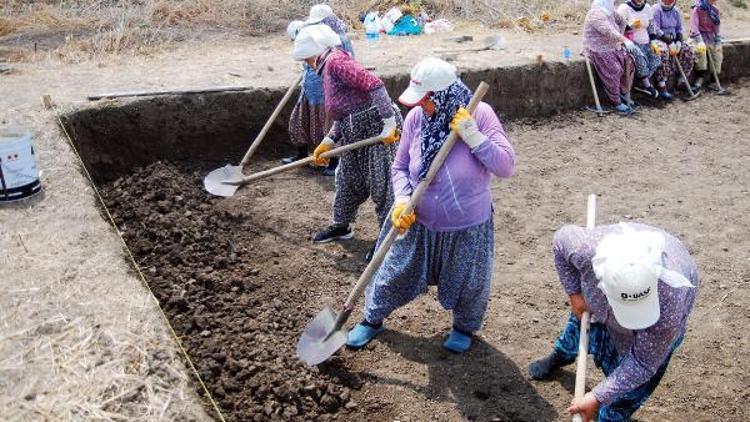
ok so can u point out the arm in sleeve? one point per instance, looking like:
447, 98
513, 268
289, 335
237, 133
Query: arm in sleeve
354, 75
694, 23
600, 23
649, 351
400, 169
496, 152
569, 252
334, 132
656, 18
382, 101
678, 28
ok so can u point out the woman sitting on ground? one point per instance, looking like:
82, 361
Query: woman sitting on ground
639, 18
452, 241
668, 26
605, 44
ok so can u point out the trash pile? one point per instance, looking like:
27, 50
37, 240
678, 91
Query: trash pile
402, 21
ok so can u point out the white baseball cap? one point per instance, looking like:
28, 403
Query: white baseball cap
429, 75
319, 12
313, 40
629, 266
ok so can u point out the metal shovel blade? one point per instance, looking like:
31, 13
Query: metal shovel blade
216, 181
313, 347
494, 42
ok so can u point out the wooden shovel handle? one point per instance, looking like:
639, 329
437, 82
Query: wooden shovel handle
377, 259
583, 341
305, 161
599, 109
262, 134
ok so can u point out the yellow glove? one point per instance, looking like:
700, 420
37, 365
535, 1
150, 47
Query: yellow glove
655, 48
467, 128
325, 145
393, 137
636, 24
700, 48
402, 222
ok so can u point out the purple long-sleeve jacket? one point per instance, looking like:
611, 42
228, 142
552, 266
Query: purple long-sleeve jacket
668, 22
642, 351
459, 196
701, 24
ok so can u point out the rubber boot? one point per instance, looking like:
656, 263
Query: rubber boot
458, 341
542, 369
300, 155
362, 334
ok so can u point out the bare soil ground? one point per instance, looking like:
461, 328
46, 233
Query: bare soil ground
80, 338
240, 278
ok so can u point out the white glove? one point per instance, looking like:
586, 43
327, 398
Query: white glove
630, 46
389, 125
467, 128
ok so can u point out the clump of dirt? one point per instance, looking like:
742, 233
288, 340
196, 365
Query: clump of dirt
207, 263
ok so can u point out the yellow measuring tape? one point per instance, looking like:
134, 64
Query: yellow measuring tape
47, 101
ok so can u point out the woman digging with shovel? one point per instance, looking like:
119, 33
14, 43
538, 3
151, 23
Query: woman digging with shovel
359, 107
452, 241
639, 284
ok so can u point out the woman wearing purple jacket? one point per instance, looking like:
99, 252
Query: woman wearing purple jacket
669, 31
451, 243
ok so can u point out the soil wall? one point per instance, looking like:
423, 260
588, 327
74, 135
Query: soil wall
116, 136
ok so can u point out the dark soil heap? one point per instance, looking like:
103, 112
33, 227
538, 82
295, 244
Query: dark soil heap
206, 264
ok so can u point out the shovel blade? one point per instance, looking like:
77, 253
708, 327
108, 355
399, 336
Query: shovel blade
216, 181
313, 347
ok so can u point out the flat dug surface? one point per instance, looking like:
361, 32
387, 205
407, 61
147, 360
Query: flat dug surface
239, 278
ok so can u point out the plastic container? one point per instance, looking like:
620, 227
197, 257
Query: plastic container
372, 27
19, 176
567, 54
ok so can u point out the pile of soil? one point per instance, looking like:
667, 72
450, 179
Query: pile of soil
238, 309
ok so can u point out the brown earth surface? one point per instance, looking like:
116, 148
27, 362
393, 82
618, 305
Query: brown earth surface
239, 277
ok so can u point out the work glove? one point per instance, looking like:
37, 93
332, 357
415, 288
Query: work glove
636, 24
325, 145
655, 47
700, 48
674, 48
667, 38
399, 221
467, 128
390, 132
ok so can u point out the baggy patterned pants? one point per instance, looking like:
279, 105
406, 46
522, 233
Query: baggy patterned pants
365, 172
606, 357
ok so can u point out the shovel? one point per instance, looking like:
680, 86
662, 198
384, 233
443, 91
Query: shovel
237, 180
598, 110
213, 182
492, 42
693, 94
583, 341
324, 335
721, 90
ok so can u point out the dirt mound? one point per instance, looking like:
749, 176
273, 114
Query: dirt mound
207, 265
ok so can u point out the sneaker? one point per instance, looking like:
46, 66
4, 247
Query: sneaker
665, 95
698, 85
371, 253
457, 341
333, 232
362, 334
713, 87
300, 155
542, 369
623, 109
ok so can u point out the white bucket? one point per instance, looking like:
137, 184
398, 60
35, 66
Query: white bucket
19, 176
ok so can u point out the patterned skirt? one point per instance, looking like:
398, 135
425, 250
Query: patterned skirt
308, 124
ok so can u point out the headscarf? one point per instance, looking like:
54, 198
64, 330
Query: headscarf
314, 40
636, 7
436, 128
339, 27
667, 8
644, 247
293, 28
713, 12
608, 6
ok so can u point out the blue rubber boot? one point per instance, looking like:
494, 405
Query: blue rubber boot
457, 341
665, 95
362, 333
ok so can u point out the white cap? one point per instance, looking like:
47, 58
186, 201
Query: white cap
429, 75
319, 12
293, 28
313, 40
629, 266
